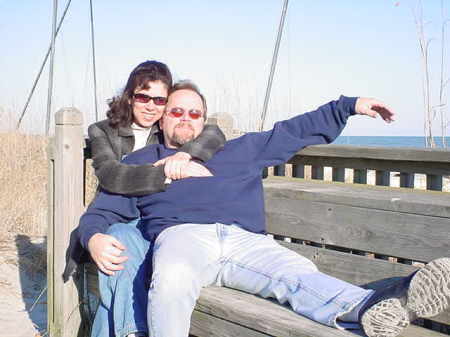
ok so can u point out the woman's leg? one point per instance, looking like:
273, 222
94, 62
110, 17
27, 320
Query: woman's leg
123, 307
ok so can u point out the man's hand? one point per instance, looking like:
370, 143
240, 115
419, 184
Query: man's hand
195, 169
105, 250
175, 165
372, 107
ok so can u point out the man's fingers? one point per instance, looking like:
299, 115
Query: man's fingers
104, 269
116, 243
160, 162
116, 259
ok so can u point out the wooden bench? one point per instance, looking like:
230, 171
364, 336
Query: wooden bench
359, 233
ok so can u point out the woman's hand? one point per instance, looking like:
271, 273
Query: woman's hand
175, 165
105, 250
373, 107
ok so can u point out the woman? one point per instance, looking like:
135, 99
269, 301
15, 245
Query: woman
119, 253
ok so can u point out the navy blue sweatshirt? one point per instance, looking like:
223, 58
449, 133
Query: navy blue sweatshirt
234, 194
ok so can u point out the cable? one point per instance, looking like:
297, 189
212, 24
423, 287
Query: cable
274, 63
42, 67
52, 63
93, 61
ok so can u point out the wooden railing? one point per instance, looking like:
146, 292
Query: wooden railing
408, 163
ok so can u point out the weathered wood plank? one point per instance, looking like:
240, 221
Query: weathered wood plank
207, 325
430, 203
271, 318
421, 238
259, 314
50, 235
378, 153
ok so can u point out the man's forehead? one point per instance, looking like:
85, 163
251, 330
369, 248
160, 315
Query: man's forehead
184, 96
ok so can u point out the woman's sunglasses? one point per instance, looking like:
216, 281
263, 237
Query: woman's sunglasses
143, 98
178, 112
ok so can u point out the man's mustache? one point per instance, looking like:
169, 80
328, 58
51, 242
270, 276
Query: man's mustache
184, 124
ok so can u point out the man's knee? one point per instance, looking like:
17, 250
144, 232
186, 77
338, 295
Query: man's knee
176, 279
123, 230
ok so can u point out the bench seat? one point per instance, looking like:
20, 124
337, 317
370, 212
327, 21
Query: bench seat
224, 312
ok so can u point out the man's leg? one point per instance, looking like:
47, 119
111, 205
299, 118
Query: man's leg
257, 264
185, 259
123, 305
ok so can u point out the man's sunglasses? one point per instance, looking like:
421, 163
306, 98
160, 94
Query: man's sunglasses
178, 112
143, 98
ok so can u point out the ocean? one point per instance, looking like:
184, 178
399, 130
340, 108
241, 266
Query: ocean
395, 141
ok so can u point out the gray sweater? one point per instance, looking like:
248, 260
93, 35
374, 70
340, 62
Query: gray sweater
109, 145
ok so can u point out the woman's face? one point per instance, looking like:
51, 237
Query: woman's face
147, 111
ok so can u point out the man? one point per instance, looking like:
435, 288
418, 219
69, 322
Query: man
210, 230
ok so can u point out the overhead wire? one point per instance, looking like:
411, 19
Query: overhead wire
51, 67
274, 64
42, 66
93, 60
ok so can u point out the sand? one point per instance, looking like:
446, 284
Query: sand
22, 280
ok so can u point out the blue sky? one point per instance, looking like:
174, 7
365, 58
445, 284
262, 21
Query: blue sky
329, 48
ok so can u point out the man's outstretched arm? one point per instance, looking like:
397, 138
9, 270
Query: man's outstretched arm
320, 126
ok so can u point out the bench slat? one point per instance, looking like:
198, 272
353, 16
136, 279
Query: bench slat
270, 318
206, 325
416, 237
374, 197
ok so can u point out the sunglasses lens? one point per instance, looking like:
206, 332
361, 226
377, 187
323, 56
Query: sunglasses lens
141, 98
160, 100
195, 114
177, 113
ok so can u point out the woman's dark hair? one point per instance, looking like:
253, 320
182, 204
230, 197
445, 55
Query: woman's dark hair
120, 111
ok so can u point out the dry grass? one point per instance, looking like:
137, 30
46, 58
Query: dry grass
23, 178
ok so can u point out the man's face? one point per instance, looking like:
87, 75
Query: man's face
179, 122
145, 111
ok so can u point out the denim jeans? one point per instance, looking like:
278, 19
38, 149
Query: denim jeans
190, 256
123, 296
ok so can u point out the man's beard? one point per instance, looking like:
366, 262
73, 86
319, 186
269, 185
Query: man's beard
182, 134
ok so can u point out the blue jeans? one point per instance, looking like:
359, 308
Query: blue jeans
190, 256
123, 296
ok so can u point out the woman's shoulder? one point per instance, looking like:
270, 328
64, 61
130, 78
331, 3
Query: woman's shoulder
101, 128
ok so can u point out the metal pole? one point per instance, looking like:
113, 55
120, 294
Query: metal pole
93, 60
52, 62
274, 63
42, 67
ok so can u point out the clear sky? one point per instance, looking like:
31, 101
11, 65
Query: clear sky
329, 48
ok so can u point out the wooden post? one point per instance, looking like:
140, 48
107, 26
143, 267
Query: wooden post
65, 206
